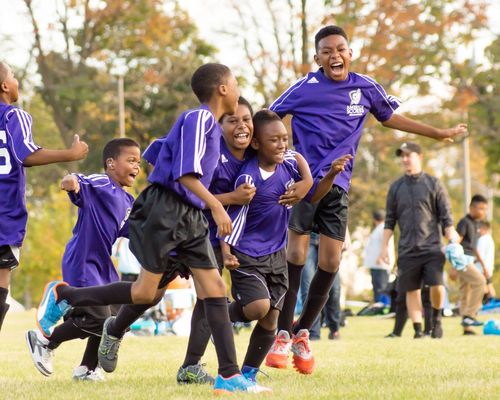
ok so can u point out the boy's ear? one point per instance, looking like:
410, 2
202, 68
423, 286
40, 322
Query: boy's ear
110, 163
316, 60
222, 90
255, 143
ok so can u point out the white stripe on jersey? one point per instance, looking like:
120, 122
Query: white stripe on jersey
239, 221
290, 159
378, 87
103, 178
25, 124
287, 93
200, 140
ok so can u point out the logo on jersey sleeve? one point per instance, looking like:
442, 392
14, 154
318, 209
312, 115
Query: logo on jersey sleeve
313, 80
355, 108
127, 214
223, 158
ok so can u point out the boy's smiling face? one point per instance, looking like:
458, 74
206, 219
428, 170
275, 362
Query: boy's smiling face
238, 128
271, 144
334, 56
126, 166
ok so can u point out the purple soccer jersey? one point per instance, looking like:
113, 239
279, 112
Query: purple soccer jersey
260, 228
16, 143
328, 118
191, 147
103, 210
223, 179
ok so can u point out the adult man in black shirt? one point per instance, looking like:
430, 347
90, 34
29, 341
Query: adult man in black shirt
472, 282
419, 204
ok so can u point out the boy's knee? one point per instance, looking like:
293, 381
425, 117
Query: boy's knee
143, 295
297, 255
332, 264
256, 310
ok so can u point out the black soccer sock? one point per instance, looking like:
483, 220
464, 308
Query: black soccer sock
236, 313
199, 336
90, 358
285, 320
417, 327
217, 316
317, 297
401, 315
114, 293
436, 314
4, 307
427, 306
128, 314
261, 341
64, 332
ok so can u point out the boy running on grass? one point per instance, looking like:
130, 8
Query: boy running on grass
328, 109
17, 150
103, 209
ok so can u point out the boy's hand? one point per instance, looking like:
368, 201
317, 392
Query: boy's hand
383, 258
230, 261
70, 184
244, 194
222, 220
294, 194
447, 135
453, 274
339, 164
78, 149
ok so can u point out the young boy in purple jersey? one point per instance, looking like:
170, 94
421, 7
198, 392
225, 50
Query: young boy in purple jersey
237, 132
259, 234
103, 209
167, 217
328, 109
17, 150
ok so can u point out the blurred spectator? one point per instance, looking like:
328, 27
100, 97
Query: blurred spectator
486, 250
128, 266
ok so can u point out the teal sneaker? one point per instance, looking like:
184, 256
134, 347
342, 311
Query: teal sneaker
50, 311
237, 383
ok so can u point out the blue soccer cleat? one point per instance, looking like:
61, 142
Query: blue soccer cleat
49, 311
236, 383
250, 373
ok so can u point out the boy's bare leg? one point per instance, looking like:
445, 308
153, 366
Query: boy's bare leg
4, 291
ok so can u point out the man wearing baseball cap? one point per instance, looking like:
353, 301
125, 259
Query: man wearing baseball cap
418, 203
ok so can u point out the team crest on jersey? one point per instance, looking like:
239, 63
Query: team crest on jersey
355, 108
223, 158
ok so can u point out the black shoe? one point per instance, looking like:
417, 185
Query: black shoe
392, 335
469, 333
334, 335
437, 330
418, 335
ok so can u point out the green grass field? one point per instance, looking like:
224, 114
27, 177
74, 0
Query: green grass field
362, 365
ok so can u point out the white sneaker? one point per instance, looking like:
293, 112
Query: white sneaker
82, 373
40, 353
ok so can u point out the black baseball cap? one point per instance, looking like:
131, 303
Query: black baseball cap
408, 147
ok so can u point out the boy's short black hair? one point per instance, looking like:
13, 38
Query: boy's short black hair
263, 117
478, 198
379, 215
207, 78
242, 102
327, 31
112, 149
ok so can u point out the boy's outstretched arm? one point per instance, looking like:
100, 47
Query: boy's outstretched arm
402, 123
222, 220
325, 184
77, 151
230, 261
298, 190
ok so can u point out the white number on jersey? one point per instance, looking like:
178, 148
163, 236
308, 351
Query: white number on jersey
5, 166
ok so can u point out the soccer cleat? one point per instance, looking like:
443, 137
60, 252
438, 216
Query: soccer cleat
469, 321
392, 335
194, 374
418, 335
250, 373
303, 359
334, 335
40, 353
236, 383
50, 311
108, 348
82, 373
278, 354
